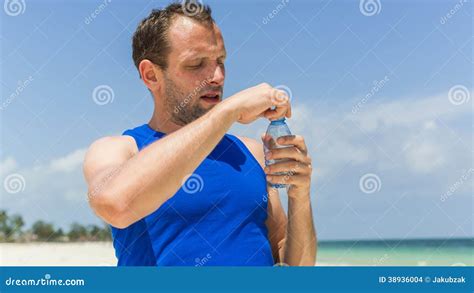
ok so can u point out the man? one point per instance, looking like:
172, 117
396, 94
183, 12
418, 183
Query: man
179, 190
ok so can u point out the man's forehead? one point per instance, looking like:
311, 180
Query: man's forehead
191, 37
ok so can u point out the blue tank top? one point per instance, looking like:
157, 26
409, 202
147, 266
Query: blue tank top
216, 218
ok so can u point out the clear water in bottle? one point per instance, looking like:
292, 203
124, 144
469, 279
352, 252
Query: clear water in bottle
276, 129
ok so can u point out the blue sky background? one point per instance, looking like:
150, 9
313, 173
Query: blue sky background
409, 133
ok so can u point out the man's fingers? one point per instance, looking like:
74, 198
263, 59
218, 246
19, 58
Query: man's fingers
293, 179
273, 114
291, 166
281, 99
268, 141
295, 140
288, 153
280, 105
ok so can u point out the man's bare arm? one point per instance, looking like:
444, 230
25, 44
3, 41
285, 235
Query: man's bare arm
300, 242
292, 238
126, 185
276, 218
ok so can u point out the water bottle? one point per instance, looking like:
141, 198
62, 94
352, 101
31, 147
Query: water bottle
276, 129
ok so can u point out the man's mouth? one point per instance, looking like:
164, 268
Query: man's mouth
211, 97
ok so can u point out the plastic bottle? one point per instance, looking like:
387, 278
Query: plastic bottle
276, 129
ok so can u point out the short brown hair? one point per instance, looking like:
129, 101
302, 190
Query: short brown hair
150, 40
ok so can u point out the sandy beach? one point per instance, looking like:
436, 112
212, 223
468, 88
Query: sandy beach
57, 254
102, 254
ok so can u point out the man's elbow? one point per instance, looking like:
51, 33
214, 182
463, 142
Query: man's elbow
112, 211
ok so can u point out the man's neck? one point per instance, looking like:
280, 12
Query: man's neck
163, 123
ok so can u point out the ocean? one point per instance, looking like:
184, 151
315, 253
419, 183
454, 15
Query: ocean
408, 252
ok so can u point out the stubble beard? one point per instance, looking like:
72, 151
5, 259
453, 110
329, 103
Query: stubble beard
183, 108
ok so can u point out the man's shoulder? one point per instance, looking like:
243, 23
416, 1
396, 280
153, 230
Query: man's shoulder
255, 147
250, 142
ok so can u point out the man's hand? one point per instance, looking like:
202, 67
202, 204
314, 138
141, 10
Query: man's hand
258, 101
299, 245
296, 163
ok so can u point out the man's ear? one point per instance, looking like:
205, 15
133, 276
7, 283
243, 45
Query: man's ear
150, 74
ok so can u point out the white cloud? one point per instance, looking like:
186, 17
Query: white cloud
7, 166
407, 112
69, 162
425, 157
54, 191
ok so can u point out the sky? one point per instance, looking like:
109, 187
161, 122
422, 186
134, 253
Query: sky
381, 90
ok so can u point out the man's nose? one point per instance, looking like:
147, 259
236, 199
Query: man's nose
218, 76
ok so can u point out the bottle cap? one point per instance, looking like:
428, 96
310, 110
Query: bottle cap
279, 120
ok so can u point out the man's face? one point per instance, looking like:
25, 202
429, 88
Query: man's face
194, 79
